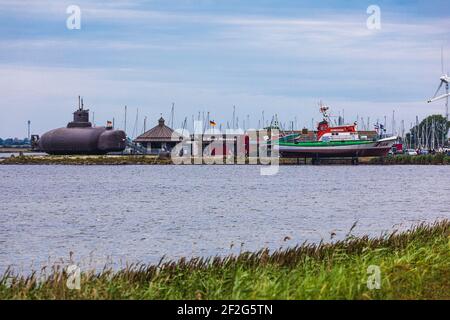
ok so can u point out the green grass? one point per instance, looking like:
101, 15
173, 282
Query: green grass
414, 264
85, 160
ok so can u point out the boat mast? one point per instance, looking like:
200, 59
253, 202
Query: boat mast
172, 112
125, 121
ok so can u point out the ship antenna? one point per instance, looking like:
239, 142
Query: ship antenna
82, 104
79, 103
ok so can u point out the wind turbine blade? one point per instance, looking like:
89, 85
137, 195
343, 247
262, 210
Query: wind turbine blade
439, 88
442, 59
439, 98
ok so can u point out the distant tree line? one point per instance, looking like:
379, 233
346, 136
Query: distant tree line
14, 142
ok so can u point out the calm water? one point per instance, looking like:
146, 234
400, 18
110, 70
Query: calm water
140, 213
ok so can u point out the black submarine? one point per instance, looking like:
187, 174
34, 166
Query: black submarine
80, 137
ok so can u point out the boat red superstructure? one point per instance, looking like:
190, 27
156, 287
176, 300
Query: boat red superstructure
324, 129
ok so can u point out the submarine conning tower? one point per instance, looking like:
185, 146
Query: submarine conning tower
80, 117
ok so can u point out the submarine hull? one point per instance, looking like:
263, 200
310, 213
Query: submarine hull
83, 141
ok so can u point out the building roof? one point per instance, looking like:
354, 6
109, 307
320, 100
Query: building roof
160, 133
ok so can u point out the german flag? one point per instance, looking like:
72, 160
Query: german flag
212, 123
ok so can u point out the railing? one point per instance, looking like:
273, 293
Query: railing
136, 148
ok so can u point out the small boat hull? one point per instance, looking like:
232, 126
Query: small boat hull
336, 149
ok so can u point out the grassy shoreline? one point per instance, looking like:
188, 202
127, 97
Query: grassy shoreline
438, 159
414, 264
429, 159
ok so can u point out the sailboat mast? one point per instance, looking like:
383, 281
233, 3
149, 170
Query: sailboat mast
172, 114
125, 121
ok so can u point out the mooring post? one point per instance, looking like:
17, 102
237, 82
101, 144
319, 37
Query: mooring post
235, 151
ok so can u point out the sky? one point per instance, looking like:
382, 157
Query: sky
277, 56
